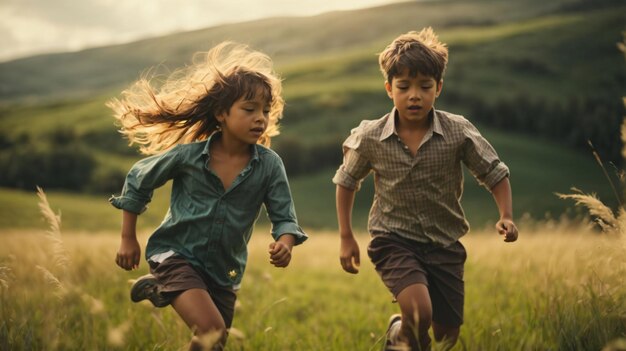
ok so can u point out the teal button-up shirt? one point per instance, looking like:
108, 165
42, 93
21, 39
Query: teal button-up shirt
206, 224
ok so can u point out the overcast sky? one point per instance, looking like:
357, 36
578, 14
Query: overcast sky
29, 27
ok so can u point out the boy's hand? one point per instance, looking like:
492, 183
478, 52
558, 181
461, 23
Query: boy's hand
349, 254
129, 254
280, 251
507, 228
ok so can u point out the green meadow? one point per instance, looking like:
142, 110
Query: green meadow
539, 79
560, 287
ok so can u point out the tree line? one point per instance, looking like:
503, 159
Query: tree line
574, 123
62, 159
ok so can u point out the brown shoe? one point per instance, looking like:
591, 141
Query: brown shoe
147, 287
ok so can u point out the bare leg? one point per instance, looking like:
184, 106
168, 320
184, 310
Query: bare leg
446, 335
197, 309
417, 312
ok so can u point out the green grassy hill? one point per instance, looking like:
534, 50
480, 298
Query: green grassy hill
539, 169
514, 52
292, 40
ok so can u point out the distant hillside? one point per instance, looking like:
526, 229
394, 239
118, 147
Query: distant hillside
288, 40
533, 74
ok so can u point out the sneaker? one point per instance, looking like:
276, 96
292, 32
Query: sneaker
146, 287
391, 336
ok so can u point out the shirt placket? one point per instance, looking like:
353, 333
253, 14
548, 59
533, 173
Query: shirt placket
216, 226
416, 183
221, 211
405, 148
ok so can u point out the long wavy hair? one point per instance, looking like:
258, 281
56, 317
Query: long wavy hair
183, 108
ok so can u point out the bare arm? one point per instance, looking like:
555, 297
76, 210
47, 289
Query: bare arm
129, 253
502, 195
349, 254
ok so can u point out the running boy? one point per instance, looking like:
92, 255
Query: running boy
416, 219
204, 129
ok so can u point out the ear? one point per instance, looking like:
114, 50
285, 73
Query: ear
388, 89
221, 117
439, 87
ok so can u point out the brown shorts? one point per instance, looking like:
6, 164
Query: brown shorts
176, 275
402, 262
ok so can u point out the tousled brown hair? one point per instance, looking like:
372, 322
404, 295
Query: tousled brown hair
418, 52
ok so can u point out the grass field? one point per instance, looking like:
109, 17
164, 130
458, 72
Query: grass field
560, 287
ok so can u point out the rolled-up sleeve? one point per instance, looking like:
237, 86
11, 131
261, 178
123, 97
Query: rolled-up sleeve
481, 158
145, 176
355, 166
280, 207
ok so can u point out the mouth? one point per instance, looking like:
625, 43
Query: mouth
414, 108
257, 131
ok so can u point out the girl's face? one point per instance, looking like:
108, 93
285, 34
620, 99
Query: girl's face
413, 97
246, 119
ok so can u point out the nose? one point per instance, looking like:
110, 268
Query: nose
260, 117
414, 95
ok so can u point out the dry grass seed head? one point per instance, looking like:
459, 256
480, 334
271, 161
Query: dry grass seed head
53, 234
603, 214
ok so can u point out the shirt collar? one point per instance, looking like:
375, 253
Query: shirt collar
389, 128
254, 149
437, 128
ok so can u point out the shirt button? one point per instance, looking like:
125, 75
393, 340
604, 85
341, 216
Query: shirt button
406, 147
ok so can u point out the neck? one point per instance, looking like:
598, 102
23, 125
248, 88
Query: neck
231, 146
413, 125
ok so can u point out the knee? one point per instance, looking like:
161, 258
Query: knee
417, 312
416, 306
420, 318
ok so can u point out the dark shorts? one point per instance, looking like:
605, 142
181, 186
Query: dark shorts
176, 275
402, 262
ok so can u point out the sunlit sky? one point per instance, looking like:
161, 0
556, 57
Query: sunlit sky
29, 27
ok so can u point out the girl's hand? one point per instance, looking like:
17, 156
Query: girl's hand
349, 254
507, 228
280, 251
129, 254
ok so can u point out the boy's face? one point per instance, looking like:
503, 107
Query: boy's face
246, 120
413, 97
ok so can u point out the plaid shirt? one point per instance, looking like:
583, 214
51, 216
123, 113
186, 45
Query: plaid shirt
419, 197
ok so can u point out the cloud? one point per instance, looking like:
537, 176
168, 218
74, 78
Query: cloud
37, 26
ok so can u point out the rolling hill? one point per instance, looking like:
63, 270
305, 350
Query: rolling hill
533, 62
292, 40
